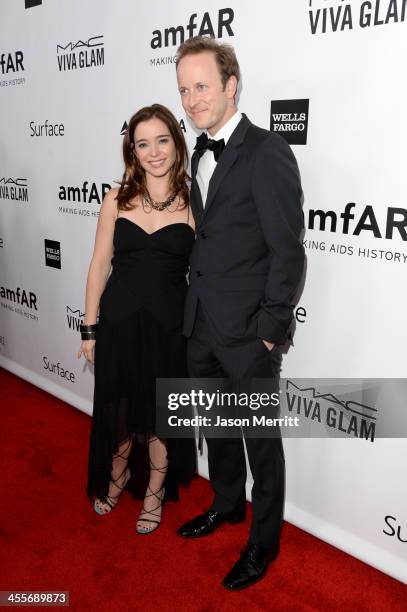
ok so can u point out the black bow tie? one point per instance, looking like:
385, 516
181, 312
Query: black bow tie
203, 143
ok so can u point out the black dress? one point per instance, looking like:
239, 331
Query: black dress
138, 340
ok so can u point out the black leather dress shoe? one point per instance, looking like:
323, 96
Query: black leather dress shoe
250, 568
206, 523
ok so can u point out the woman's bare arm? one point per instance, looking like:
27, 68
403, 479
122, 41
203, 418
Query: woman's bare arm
100, 264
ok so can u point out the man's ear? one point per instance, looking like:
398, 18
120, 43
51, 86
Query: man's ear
231, 87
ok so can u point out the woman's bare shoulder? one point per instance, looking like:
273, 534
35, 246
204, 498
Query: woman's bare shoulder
109, 204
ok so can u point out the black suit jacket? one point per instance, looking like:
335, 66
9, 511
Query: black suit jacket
248, 257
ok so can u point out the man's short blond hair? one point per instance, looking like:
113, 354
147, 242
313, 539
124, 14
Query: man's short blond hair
224, 55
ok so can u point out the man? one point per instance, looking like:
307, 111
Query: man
246, 266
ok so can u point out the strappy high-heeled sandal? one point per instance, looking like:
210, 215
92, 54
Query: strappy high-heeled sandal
157, 510
111, 500
142, 530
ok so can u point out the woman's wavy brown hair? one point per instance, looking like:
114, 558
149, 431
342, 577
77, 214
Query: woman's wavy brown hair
133, 182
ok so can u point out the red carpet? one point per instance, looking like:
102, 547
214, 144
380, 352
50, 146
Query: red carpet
52, 539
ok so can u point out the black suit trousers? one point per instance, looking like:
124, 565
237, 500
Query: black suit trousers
209, 358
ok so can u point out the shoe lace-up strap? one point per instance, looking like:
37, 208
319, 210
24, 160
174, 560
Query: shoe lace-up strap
153, 511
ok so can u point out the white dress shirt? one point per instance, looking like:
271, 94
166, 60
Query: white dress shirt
207, 163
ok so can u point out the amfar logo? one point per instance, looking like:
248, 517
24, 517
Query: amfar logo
87, 193
81, 54
3, 341
14, 189
217, 27
392, 524
19, 296
290, 119
347, 416
31, 3
74, 318
339, 16
366, 221
56, 368
11, 62
52, 253
1, 242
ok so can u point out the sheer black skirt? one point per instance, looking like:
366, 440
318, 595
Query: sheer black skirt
129, 355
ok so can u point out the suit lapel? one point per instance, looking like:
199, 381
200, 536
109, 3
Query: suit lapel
196, 196
226, 161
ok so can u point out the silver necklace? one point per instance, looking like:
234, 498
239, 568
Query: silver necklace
152, 204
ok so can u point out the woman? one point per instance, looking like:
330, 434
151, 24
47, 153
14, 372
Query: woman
147, 226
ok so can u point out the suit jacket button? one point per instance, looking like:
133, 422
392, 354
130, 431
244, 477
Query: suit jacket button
203, 235
199, 273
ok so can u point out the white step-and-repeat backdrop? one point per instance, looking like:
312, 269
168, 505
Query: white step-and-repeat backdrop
330, 76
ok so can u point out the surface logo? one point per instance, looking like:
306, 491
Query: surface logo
46, 129
289, 118
58, 370
394, 529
